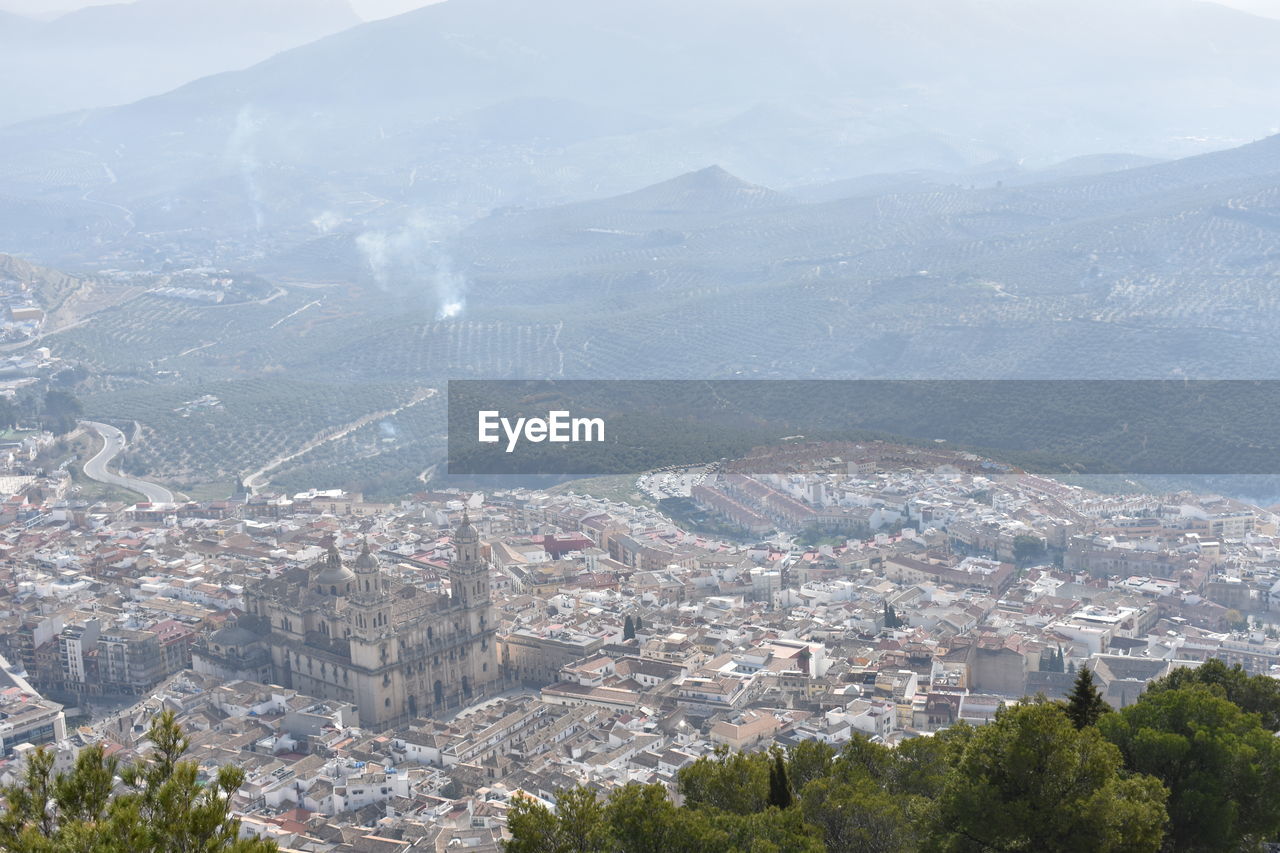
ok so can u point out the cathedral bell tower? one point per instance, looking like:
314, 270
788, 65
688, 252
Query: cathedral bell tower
368, 575
370, 608
468, 573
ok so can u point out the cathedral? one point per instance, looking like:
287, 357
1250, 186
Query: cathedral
393, 650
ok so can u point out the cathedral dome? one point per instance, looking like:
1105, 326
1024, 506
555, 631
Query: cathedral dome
233, 636
466, 534
333, 573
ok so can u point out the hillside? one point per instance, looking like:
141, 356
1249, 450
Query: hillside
468, 105
651, 189
1151, 271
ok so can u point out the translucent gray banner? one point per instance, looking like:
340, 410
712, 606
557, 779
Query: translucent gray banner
595, 427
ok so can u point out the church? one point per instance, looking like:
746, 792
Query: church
353, 634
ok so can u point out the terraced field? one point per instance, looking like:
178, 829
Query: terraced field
253, 422
386, 458
1165, 270
1158, 271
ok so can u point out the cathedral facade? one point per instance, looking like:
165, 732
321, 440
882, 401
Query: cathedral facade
393, 650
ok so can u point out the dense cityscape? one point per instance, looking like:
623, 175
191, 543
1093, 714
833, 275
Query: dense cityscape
396, 673
643, 426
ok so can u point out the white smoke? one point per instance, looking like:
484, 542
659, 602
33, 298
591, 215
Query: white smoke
416, 255
240, 147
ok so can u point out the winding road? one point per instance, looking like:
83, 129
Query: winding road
113, 442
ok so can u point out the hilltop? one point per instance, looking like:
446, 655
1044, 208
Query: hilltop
469, 105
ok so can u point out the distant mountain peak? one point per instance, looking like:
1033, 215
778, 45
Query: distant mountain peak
711, 178
709, 188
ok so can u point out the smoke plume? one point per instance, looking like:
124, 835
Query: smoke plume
416, 256
241, 149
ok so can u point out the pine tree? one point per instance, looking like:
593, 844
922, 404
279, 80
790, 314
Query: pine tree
628, 629
779, 782
162, 804
1085, 705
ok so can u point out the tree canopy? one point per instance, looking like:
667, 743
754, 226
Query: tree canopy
1193, 765
1085, 705
1257, 694
60, 412
158, 805
1222, 768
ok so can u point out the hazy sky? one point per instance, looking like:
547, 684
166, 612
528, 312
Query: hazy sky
370, 9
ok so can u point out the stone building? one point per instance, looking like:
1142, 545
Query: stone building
390, 648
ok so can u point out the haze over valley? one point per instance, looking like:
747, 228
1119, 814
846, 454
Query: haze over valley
730, 188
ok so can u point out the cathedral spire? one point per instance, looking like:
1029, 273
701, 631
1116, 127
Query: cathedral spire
366, 562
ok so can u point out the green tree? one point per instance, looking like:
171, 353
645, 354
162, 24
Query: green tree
628, 629
809, 760
8, 413
1221, 766
1027, 549
577, 826
644, 820
1053, 661
581, 817
857, 814
533, 827
780, 795
1030, 781
1257, 694
735, 782
70, 376
1085, 705
768, 831
60, 412
922, 766
163, 806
